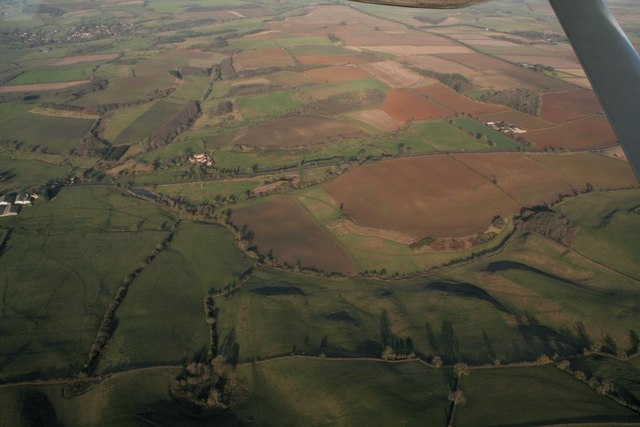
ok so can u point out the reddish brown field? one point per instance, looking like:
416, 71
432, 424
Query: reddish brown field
336, 59
597, 169
394, 74
433, 63
262, 58
456, 102
337, 74
297, 131
591, 132
421, 196
41, 87
404, 106
283, 226
476, 61
520, 76
521, 120
451, 196
524, 180
565, 106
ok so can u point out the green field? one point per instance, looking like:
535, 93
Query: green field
277, 313
54, 133
345, 393
128, 399
198, 192
61, 268
30, 174
533, 396
609, 229
493, 138
162, 318
624, 375
55, 74
298, 42
324, 91
424, 137
148, 122
268, 106
119, 120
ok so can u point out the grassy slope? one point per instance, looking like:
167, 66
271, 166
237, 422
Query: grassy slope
315, 392
609, 230
276, 312
533, 396
63, 263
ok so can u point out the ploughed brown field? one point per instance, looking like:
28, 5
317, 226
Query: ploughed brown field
41, 87
404, 105
262, 58
590, 132
451, 99
393, 74
452, 196
337, 74
283, 226
378, 119
565, 106
297, 131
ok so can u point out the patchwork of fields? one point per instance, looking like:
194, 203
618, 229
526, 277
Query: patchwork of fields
297, 213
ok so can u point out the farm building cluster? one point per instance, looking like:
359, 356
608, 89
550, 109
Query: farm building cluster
202, 159
11, 204
505, 127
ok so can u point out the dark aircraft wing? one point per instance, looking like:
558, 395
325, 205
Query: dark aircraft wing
607, 56
612, 65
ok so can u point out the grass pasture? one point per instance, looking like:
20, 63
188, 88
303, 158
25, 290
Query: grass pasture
343, 393
269, 105
424, 137
56, 134
609, 226
67, 73
148, 122
493, 137
60, 270
297, 131
198, 192
117, 121
277, 313
31, 173
323, 91
200, 257
534, 396
121, 400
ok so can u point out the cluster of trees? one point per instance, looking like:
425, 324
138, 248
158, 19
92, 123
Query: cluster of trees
523, 100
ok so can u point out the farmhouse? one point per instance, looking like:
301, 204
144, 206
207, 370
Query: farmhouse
23, 199
12, 210
202, 158
7, 199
